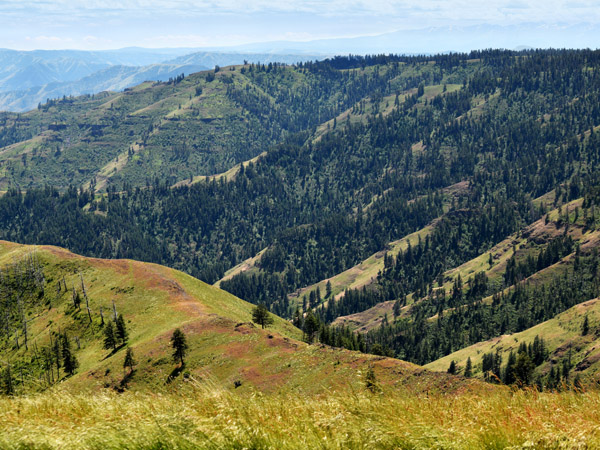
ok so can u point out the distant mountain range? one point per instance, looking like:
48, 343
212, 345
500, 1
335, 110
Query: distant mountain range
30, 78
443, 40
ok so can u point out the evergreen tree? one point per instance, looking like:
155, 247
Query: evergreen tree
397, 308
129, 360
523, 369
297, 320
509, 372
76, 299
371, 380
56, 354
452, 368
110, 337
8, 387
311, 326
70, 362
261, 316
180, 346
121, 330
468, 368
585, 328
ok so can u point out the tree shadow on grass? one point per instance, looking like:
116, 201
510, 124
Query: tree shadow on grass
126, 378
114, 351
175, 373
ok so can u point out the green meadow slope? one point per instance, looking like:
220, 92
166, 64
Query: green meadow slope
189, 128
562, 335
527, 242
225, 347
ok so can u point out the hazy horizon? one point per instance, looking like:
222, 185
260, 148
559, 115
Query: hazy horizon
108, 24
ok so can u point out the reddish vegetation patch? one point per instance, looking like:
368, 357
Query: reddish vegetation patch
155, 278
209, 324
238, 350
281, 343
61, 252
121, 266
9, 244
245, 327
266, 382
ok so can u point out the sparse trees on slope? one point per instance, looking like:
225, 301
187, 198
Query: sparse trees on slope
180, 346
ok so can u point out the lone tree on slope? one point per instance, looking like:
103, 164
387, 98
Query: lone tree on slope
180, 346
129, 360
261, 316
70, 362
121, 330
110, 338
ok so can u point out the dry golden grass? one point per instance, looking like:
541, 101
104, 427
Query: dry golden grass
201, 415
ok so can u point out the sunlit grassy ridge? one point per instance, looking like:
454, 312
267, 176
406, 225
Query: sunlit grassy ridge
562, 335
201, 415
224, 344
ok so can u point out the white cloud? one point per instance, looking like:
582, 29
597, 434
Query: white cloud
98, 23
521, 10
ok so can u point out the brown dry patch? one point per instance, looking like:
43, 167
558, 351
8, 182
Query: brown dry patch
586, 305
368, 319
155, 278
209, 324
60, 252
541, 232
267, 382
462, 187
590, 242
418, 147
283, 344
120, 266
245, 327
587, 362
238, 350
8, 244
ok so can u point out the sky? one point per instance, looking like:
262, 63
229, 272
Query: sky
110, 24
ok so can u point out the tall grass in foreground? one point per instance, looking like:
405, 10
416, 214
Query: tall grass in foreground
198, 417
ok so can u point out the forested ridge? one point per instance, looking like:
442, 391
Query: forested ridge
361, 152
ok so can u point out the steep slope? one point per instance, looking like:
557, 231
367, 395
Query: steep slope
323, 203
563, 338
527, 242
198, 125
30, 78
41, 285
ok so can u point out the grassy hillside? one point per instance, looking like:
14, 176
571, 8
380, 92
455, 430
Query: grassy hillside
185, 129
562, 334
174, 129
225, 347
527, 242
327, 205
